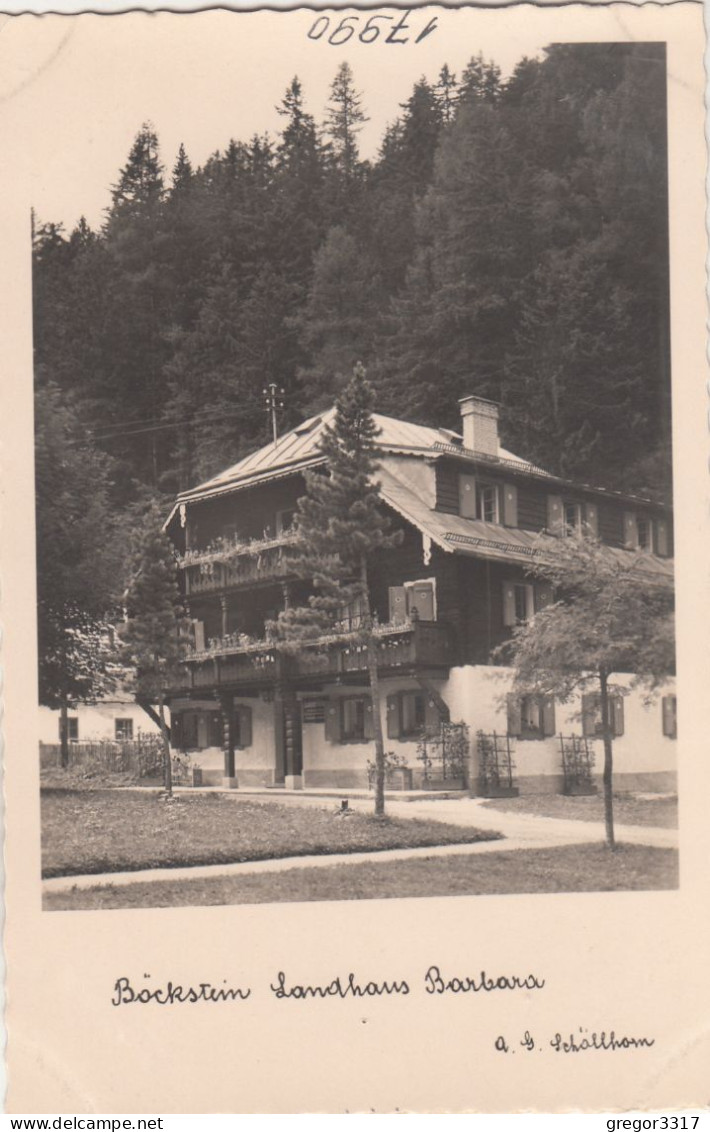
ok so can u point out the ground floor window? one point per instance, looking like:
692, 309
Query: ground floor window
411, 714
123, 730
531, 716
349, 720
72, 729
352, 719
669, 711
592, 724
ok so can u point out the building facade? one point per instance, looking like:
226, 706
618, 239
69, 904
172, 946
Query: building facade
117, 719
472, 516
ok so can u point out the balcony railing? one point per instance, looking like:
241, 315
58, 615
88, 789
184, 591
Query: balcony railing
400, 648
229, 563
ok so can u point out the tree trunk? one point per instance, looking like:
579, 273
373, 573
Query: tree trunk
374, 697
152, 713
608, 761
64, 733
167, 761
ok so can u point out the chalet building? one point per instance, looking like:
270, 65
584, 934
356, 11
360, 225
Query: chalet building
472, 516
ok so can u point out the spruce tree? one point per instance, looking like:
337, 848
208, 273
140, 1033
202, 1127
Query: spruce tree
155, 631
446, 94
340, 526
343, 121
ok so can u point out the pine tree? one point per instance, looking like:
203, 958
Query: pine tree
139, 190
343, 121
155, 632
338, 321
340, 526
446, 93
480, 81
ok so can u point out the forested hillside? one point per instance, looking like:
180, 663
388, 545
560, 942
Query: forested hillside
509, 239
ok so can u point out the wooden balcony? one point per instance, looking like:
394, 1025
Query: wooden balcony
233, 564
422, 646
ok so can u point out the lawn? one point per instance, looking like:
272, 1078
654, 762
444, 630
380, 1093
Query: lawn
97, 831
629, 809
573, 868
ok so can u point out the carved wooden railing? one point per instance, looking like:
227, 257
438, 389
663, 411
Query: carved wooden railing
420, 644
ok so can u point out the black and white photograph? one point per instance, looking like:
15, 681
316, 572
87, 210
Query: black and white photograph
354, 490
355, 427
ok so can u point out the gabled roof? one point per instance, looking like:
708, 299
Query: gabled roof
301, 447
474, 537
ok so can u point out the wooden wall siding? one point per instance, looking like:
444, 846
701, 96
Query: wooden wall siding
253, 510
481, 596
447, 489
532, 507
404, 563
611, 523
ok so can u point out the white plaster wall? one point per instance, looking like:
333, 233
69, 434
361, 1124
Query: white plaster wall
477, 694
96, 721
261, 754
320, 754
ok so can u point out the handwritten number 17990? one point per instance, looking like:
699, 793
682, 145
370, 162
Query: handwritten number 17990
375, 26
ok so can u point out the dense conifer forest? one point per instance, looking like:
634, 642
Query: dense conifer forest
508, 239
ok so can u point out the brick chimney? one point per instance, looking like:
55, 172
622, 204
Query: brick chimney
479, 419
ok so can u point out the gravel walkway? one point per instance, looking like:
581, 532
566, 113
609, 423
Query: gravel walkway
520, 831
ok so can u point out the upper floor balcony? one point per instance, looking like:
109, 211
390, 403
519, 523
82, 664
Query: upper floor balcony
231, 563
413, 646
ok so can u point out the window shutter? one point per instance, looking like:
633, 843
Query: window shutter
176, 734
555, 514
432, 718
508, 603
467, 496
332, 721
662, 541
510, 505
398, 604
591, 518
548, 715
668, 708
515, 725
369, 729
631, 532
244, 722
215, 730
199, 635
394, 721
589, 704
420, 596
617, 714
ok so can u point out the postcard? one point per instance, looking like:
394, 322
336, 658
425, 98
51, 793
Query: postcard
355, 532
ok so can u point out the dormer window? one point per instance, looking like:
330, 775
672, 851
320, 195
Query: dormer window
568, 517
644, 528
479, 499
573, 518
643, 533
487, 503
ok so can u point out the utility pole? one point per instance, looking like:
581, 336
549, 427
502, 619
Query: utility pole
273, 397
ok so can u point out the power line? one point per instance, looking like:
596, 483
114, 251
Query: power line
102, 438
104, 431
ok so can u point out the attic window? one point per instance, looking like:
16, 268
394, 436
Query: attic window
451, 437
304, 429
